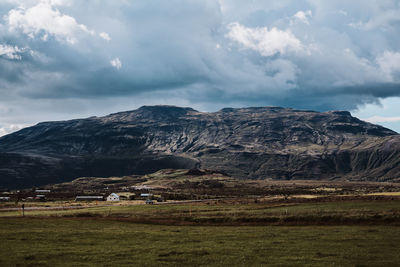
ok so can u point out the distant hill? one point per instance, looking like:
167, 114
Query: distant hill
255, 143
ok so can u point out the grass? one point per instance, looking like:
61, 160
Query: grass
344, 212
358, 229
84, 242
346, 233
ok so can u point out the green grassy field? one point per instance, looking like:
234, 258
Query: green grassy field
104, 242
344, 212
352, 233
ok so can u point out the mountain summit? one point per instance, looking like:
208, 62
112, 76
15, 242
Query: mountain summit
258, 143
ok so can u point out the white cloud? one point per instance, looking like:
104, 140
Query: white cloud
382, 20
116, 63
58, 2
11, 128
303, 16
266, 42
378, 119
11, 52
43, 20
389, 63
105, 36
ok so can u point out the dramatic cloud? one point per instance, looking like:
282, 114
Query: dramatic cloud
11, 52
389, 64
266, 42
63, 59
43, 20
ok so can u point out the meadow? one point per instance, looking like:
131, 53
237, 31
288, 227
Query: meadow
230, 212
88, 242
353, 233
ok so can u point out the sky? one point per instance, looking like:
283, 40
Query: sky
66, 59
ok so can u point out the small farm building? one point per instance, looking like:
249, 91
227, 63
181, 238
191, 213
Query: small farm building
113, 197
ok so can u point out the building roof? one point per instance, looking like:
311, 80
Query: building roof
88, 197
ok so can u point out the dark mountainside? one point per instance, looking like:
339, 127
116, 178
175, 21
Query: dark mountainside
256, 143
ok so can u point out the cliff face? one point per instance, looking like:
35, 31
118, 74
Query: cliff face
267, 142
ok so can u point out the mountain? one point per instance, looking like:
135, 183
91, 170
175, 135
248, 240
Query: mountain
256, 143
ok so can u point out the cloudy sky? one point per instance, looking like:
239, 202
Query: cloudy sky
64, 59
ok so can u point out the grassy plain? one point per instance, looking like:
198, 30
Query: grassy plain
102, 242
349, 233
236, 213
230, 222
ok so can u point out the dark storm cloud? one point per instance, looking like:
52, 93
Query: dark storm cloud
161, 46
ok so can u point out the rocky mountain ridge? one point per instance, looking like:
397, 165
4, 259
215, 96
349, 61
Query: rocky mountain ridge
258, 143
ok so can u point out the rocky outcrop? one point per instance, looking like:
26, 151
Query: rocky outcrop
259, 143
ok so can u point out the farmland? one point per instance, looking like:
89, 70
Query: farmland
87, 242
232, 212
219, 233
204, 219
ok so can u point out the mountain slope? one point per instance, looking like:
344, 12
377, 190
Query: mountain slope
266, 142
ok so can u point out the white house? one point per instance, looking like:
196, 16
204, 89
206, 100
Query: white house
113, 197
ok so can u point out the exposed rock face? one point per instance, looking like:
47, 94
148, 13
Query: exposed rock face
260, 143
